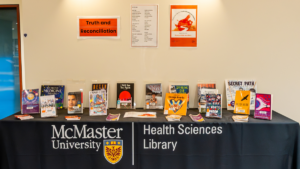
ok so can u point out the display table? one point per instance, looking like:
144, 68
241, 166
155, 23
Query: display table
55, 143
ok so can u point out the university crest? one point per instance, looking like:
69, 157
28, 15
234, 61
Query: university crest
113, 150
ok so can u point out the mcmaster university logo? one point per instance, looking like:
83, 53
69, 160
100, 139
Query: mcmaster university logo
113, 150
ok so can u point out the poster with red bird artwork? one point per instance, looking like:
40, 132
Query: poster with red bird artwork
183, 26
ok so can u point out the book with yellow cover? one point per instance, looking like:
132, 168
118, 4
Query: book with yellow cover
242, 102
176, 104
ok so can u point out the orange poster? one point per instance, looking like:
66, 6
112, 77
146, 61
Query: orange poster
183, 26
98, 27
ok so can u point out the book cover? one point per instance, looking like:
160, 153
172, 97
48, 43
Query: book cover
113, 117
214, 105
98, 103
201, 86
153, 96
75, 102
176, 104
30, 101
102, 86
263, 106
242, 102
183, 89
204, 92
125, 95
57, 90
197, 118
234, 85
48, 106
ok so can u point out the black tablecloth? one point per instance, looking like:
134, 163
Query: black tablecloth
43, 143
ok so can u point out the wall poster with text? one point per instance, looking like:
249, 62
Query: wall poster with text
183, 26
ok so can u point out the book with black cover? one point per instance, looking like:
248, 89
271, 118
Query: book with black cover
125, 95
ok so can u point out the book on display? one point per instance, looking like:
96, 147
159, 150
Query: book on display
263, 106
113, 117
75, 102
176, 104
140, 114
242, 102
72, 118
182, 89
204, 92
173, 117
57, 90
97, 103
200, 87
48, 106
240, 119
30, 101
102, 86
153, 96
213, 105
234, 85
197, 118
24, 117
125, 95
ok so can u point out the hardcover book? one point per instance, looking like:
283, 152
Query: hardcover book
201, 86
214, 105
153, 96
183, 89
75, 102
102, 86
98, 103
57, 90
30, 101
48, 108
204, 92
263, 106
125, 95
176, 104
242, 102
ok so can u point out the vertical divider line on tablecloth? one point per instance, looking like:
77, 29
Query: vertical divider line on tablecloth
132, 143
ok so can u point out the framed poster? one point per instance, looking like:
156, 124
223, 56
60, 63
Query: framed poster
144, 25
183, 25
97, 27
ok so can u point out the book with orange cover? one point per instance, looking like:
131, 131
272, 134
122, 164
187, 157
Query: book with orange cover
176, 104
242, 102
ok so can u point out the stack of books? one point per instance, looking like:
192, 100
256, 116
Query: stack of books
24, 117
239, 118
72, 117
173, 117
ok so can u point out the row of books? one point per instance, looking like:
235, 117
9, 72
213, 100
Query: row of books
241, 97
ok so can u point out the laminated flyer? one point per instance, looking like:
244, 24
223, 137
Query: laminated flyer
234, 85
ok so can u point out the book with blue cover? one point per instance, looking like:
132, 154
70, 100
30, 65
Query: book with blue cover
57, 90
30, 101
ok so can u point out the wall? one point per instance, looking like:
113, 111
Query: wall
246, 39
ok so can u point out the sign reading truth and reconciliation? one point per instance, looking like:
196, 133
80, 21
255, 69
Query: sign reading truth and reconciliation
94, 27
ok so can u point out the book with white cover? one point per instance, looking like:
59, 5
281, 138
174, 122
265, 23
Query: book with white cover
48, 108
97, 103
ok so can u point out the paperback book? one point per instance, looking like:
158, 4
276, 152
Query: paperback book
57, 90
263, 106
30, 101
102, 86
200, 87
125, 95
48, 108
153, 96
214, 105
204, 92
197, 118
240, 85
98, 103
113, 117
75, 102
72, 118
176, 104
242, 102
140, 114
182, 89
24, 117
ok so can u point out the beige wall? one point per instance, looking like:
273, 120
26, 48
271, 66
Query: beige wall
246, 39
